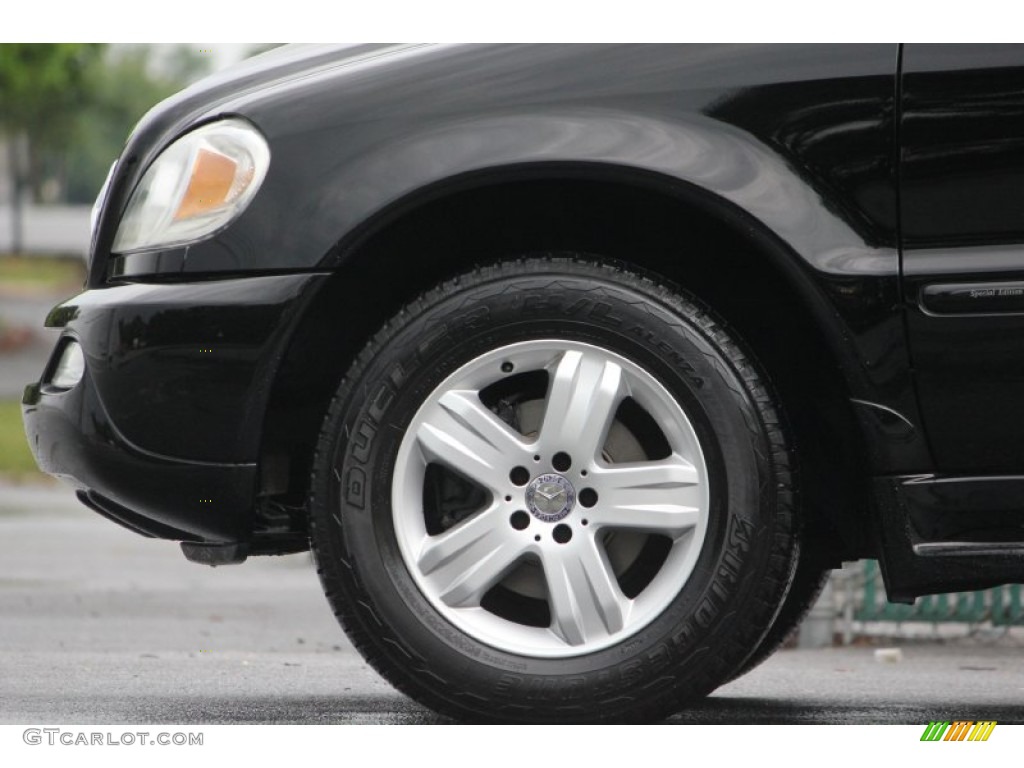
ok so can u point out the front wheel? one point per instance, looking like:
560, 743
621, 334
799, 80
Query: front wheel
553, 490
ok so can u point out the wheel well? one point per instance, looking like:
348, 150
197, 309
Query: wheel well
720, 262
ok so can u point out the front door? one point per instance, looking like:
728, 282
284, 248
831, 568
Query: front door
962, 203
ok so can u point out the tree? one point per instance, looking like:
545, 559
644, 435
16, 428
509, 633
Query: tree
131, 80
65, 111
43, 90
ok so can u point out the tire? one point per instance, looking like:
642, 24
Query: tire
491, 578
808, 582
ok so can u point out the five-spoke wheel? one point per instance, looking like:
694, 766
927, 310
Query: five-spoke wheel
553, 490
558, 474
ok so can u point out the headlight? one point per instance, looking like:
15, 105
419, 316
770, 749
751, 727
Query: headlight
197, 186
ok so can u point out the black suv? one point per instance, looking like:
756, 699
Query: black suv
577, 367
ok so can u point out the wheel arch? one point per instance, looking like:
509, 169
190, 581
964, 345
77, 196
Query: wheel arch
697, 239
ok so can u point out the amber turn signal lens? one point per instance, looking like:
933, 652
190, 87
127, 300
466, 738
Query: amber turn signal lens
213, 176
195, 187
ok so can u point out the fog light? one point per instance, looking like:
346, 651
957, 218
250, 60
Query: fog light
70, 367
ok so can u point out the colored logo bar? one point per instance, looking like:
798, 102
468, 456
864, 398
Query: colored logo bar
958, 730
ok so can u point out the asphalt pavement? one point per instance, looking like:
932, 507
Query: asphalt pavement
99, 625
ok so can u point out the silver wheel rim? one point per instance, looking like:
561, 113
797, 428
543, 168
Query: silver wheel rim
662, 500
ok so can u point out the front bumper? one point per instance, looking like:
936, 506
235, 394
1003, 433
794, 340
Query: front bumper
162, 433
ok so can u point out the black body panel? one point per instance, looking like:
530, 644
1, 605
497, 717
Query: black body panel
796, 149
962, 138
167, 421
184, 370
793, 145
73, 438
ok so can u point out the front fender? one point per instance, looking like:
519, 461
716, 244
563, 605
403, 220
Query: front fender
720, 159
799, 137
